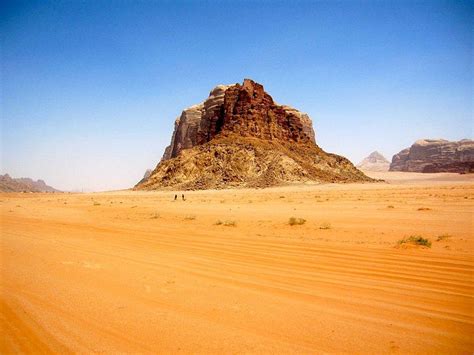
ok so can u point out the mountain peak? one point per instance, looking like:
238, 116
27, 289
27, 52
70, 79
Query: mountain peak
374, 162
239, 136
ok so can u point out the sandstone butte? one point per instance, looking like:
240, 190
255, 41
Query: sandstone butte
239, 137
436, 156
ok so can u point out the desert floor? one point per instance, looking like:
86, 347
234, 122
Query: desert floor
137, 272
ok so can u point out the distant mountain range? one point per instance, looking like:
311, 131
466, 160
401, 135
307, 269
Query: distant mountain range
9, 184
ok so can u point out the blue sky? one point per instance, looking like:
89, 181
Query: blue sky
90, 89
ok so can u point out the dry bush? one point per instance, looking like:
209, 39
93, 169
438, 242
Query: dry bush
442, 237
325, 225
227, 223
293, 221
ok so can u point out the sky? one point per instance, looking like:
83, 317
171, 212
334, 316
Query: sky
90, 89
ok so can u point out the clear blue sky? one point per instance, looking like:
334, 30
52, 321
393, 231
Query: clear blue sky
90, 89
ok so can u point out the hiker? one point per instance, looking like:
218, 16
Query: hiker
182, 196
175, 197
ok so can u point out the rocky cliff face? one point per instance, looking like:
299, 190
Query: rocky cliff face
9, 184
436, 155
240, 137
235, 108
374, 162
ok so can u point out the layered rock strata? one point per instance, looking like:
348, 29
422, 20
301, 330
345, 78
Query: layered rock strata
436, 155
240, 137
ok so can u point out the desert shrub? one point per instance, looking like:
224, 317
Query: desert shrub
325, 225
442, 237
293, 221
230, 223
424, 209
155, 216
417, 240
227, 223
390, 206
190, 217
96, 203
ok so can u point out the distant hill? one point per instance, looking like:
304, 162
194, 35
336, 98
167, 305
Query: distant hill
9, 184
374, 162
436, 156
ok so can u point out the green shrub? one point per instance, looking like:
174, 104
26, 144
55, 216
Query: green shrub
417, 240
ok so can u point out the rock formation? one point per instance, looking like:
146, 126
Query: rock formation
374, 162
435, 156
9, 184
239, 137
145, 176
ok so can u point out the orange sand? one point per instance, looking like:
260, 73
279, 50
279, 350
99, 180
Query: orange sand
105, 273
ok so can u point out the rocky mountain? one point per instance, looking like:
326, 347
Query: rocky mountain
435, 156
239, 137
9, 184
374, 162
145, 176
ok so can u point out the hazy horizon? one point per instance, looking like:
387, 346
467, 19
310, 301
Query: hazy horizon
90, 90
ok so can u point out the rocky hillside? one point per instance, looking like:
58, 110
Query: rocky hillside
239, 137
145, 176
9, 184
374, 162
435, 156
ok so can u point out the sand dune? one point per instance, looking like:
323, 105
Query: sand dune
138, 272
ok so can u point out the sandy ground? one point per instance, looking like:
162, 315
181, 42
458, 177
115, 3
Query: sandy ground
138, 272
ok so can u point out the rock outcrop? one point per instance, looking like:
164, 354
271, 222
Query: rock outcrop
239, 137
9, 184
374, 162
200, 123
435, 156
145, 176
